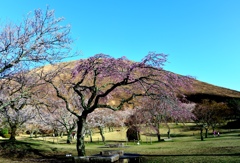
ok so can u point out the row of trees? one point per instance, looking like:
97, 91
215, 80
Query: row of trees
209, 114
84, 95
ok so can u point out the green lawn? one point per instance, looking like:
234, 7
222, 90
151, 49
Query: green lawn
184, 146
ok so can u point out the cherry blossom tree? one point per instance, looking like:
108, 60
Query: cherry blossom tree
17, 101
105, 82
182, 112
60, 120
102, 81
15, 116
38, 40
121, 116
158, 110
34, 125
68, 121
20, 106
97, 119
102, 118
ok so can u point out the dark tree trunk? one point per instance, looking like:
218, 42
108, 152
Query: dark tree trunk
90, 134
13, 133
206, 133
81, 130
201, 133
159, 137
158, 132
69, 138
168, 133
102, 133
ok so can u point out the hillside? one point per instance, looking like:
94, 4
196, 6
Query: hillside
201, 90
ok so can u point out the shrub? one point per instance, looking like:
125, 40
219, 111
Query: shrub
133, 133
233, 125
6, 135
3, 131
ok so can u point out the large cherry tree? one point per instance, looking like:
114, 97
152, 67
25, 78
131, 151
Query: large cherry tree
102, 81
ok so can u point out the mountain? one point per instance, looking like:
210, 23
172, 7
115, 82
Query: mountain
201, 90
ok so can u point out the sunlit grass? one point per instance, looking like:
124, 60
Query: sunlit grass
183, 146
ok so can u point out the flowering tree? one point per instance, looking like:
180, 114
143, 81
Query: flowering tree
39, 39
55, 128
105, 82
102, 118
15, 116
102, 81
19, 111
68, 121
98, 119
33, 126
22, 93
60, 120
162, 109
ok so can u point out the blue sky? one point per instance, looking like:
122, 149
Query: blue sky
201, 37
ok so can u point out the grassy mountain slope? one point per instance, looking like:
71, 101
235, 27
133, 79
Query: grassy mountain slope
201, 90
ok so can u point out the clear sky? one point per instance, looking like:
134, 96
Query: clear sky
201, 37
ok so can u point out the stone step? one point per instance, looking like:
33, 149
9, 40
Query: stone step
96, 159
112, 152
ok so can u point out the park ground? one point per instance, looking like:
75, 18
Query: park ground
183, 146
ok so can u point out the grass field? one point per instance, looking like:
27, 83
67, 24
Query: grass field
184, 146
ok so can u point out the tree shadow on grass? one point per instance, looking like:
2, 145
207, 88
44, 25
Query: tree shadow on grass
32, 152
19, 149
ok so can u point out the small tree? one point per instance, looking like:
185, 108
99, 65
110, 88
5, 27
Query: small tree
102, 118
209, 114
163, 109
15, 116
64, 120
19, 95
